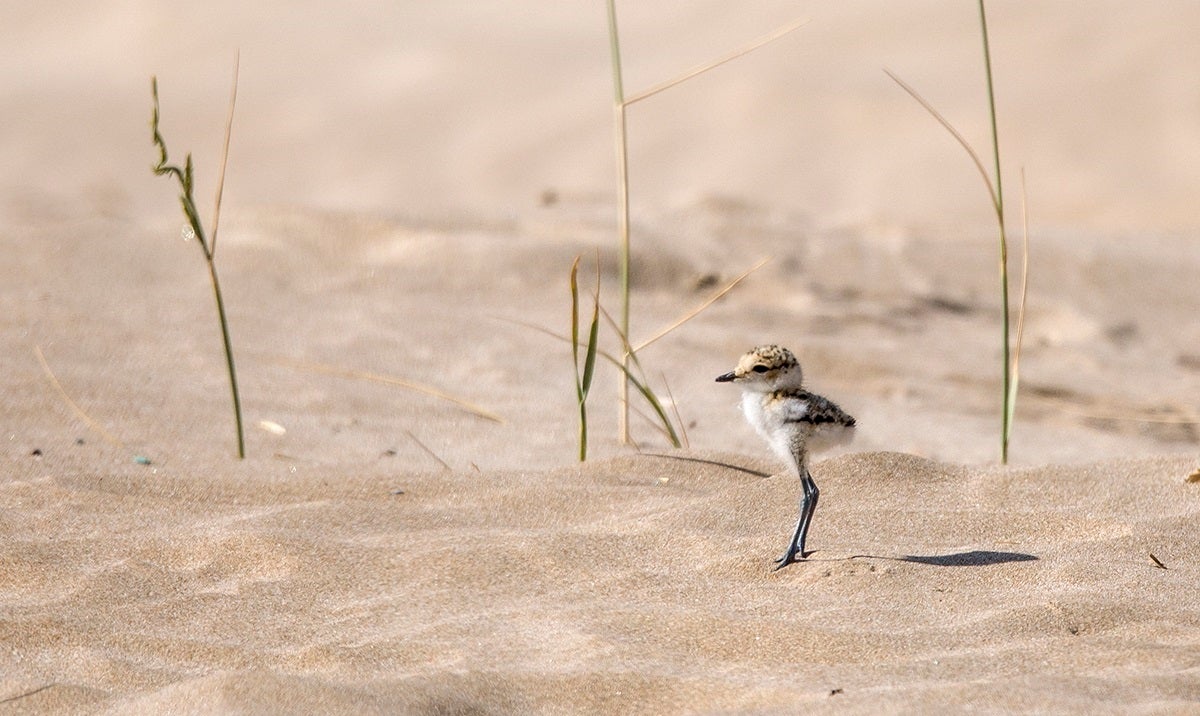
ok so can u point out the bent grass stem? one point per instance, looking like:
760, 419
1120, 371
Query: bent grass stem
185, 177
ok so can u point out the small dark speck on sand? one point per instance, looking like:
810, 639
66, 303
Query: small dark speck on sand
397, 492
37, 452
835, 692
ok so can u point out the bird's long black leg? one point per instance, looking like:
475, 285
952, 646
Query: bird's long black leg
811, 495
808, 505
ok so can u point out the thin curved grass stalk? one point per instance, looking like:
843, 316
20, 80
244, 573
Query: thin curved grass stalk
995, 190
713, 64
1016, 361
425, 448
700, 309
675, 409
185, 177
79, 412
391, 380
643, 386
649, 421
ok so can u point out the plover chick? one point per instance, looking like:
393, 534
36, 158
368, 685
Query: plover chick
793, 421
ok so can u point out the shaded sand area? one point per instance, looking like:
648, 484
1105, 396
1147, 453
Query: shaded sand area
632, 584
407, 192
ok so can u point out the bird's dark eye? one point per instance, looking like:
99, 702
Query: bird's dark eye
760, 369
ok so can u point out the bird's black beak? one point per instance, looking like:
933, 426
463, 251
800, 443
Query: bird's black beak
727, 378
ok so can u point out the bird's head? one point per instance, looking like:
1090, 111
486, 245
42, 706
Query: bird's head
765, 369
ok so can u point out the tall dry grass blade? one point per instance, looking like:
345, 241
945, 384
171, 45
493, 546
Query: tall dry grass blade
767, 39
620, 105
79, 412
237, 59
696, 311
622, 155
390, 380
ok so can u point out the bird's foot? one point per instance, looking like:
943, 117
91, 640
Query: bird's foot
791, 555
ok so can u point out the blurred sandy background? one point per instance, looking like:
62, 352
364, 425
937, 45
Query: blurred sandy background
407, 181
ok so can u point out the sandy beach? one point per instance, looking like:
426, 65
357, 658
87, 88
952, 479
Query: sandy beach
407, 190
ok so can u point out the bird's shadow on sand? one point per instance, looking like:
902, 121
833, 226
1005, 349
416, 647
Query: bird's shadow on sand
715, 463
973, 558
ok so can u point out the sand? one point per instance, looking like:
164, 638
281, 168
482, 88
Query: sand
407, 191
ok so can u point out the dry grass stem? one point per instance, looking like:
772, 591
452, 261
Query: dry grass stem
1016, 360
701, 69
27, 694
696, 311
987, 180
620, 107
390, 380
675, 410
237, 59
79, 412
186, 179
428, 452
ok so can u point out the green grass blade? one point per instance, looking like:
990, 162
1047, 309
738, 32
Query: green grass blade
583, 382
575, 326
228, 343
1006, 398
589, 365
589, 361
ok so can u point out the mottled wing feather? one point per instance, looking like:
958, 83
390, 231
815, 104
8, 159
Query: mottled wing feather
815, 409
